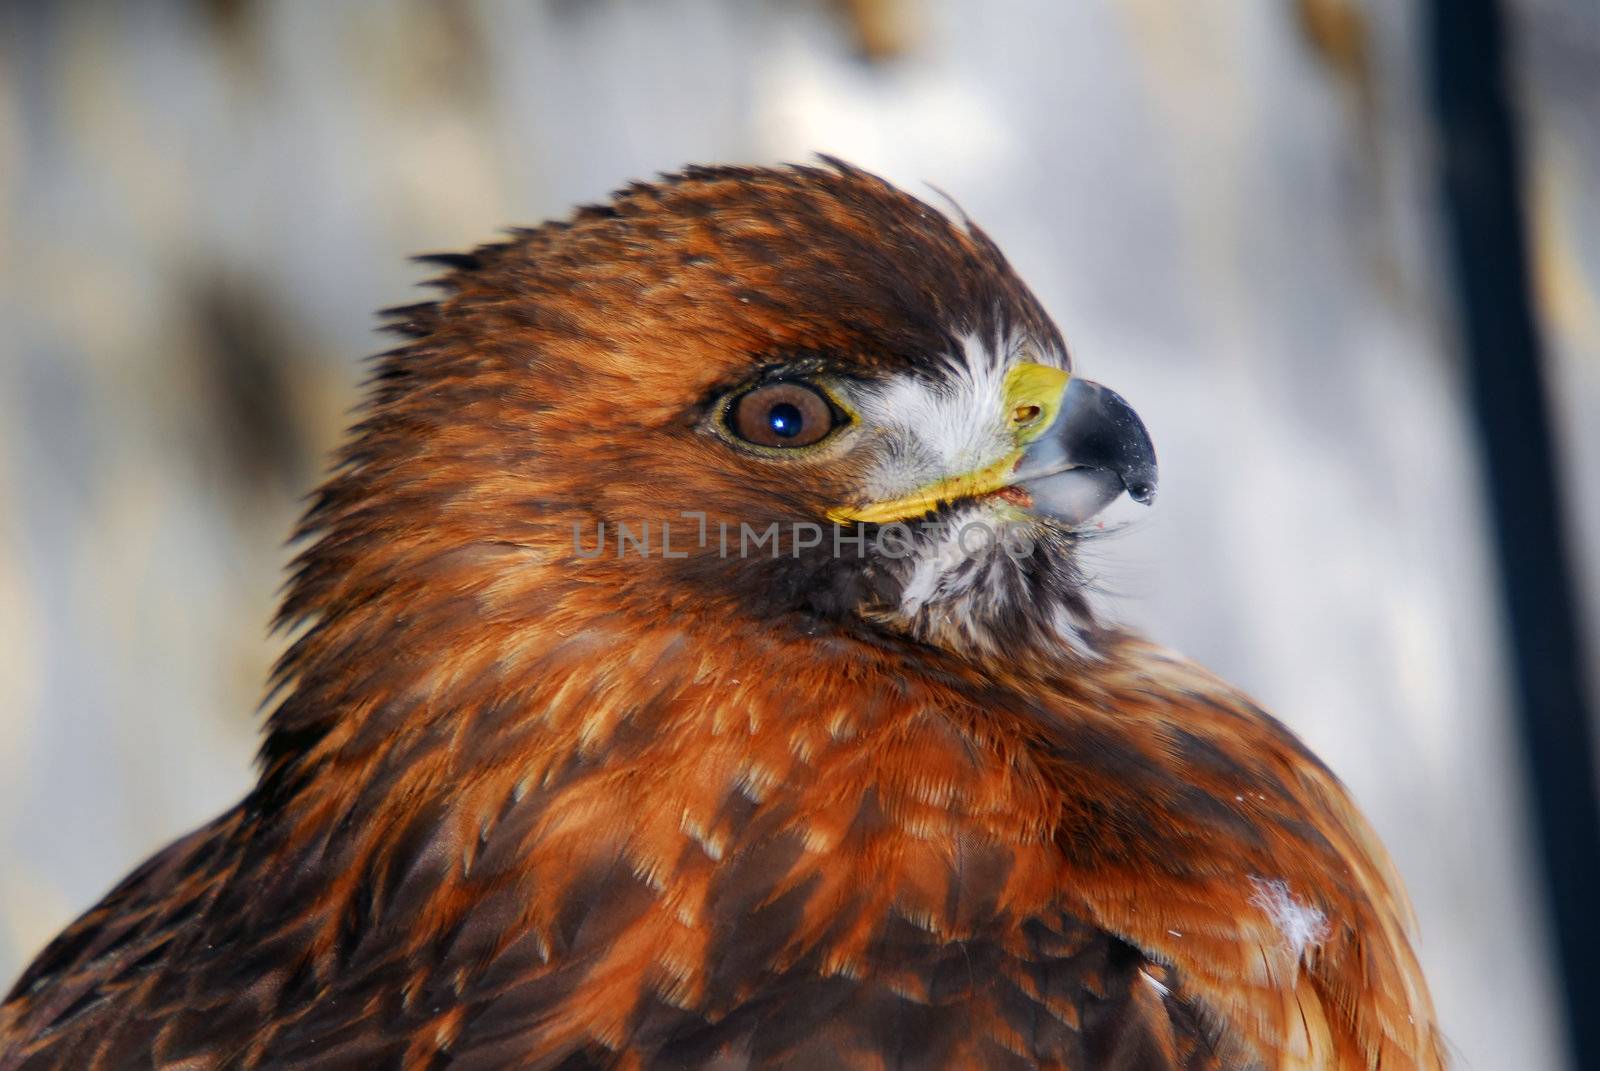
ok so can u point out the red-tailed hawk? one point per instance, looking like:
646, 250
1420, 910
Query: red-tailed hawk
693, 670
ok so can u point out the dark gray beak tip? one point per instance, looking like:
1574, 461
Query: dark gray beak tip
1099, 428
1138, 471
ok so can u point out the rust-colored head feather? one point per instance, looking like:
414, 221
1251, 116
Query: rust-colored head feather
691, 668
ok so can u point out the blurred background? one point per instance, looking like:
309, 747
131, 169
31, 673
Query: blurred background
1232, 207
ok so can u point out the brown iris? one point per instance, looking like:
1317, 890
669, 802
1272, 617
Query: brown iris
782, 416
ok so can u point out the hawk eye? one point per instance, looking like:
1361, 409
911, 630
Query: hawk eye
782, 416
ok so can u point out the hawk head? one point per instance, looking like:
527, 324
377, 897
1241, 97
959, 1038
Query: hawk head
795, 395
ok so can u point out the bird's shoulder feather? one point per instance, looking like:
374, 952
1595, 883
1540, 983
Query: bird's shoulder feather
929, 869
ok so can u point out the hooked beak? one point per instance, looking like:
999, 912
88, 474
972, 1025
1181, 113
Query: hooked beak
1079, 446
1096, 449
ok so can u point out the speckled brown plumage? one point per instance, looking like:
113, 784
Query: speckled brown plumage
521, 809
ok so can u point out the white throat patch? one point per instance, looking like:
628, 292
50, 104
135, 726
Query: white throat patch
962, 586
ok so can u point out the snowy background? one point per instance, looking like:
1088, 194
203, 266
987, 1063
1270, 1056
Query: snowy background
1228, 205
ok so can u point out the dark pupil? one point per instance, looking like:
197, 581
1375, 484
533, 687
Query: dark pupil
785, 420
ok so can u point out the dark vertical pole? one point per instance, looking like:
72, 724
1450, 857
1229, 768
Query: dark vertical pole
1483, 215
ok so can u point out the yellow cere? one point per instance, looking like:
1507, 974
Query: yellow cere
1033, 394
1032, 397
